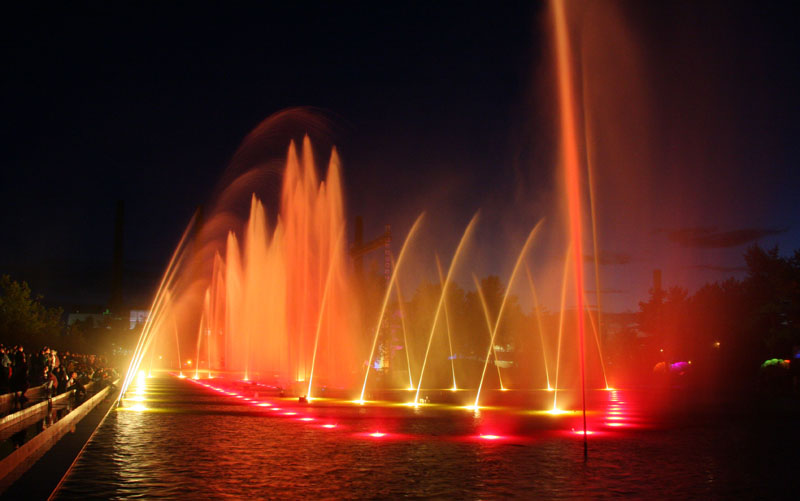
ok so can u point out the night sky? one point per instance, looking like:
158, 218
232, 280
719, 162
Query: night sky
445, 107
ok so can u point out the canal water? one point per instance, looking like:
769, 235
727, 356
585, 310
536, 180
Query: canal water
211, 439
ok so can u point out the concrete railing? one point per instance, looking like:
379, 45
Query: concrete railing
7, 399
16, 463
19, 416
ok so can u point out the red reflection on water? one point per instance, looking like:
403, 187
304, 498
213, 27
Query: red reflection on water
490, 437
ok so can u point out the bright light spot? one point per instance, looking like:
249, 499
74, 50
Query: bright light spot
503, 389
608, 388
141, 378
275, 408
491, 437
580, 432
138, 408
289, 413
555, 411
181, 375
377, 434
195, 377
471, 407
411, 388
329, 426
264, 404
411, 404
453, 389
306, 419
615, 424
359, 402
549, 388
188, 362
716, 344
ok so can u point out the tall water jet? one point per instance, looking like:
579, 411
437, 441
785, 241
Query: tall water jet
453, 262
570, 157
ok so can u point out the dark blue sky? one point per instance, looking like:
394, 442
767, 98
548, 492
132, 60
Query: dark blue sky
437, 106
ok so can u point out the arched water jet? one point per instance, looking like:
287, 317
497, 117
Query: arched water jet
485, 308
405, 333
538, 314
453, 262
447, 324
207, 314
178, 342
564, 276
599, 349
322, 307
169, 273
522, 253
150, 367
400, 257
199, 338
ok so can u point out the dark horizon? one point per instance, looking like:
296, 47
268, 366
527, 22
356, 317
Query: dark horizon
439, 107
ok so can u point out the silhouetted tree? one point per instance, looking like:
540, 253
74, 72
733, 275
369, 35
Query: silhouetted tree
23, 318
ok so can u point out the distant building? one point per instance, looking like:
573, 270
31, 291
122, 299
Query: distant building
138, 317
96, 319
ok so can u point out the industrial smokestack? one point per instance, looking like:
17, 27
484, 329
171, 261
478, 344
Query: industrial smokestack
117, 269
657, 283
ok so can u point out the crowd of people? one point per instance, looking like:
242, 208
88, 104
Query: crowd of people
59, 372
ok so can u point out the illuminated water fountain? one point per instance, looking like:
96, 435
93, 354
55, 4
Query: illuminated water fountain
272, 297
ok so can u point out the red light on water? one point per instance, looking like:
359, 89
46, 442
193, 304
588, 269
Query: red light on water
490, 437
377, 434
